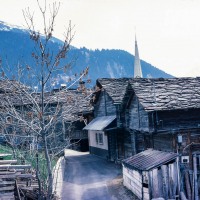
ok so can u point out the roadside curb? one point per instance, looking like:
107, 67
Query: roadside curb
58, 175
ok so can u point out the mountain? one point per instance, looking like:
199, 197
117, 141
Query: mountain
16, 47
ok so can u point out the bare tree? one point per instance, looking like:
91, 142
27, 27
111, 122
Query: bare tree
33, 120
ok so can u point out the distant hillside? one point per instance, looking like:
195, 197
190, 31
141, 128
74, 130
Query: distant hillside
16, 47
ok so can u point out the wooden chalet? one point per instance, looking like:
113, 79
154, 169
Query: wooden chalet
71, 107
76, 113
107, 134
164, 114
133, 115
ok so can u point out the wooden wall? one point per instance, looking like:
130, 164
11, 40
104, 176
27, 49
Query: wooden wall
138, 117
176, 119
158, 182
133, 181
104, 106
164, 142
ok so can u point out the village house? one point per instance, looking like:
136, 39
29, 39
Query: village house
165, 115
76, 113
134, 115
68, 107
108, 137
108, 133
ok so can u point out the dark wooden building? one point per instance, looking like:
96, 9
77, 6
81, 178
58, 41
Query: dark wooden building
133, 115
164, 114
69, 109
110, 101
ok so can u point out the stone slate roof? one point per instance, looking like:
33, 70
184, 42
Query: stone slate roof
116, 88
167, 93
75, 103
10, 86
72, 101
149, 159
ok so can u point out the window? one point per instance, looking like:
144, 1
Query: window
99, 138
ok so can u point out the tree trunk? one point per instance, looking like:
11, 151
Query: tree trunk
49, 168
38, 177
14, 153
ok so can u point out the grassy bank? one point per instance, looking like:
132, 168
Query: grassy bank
29, 157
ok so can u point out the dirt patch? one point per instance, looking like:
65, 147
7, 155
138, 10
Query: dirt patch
118, 191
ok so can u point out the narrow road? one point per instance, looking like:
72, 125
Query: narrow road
86, 176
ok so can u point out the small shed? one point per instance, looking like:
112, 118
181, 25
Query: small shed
151, 174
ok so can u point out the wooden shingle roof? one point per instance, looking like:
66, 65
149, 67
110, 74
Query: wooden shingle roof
149, 159
116, 88
167, 93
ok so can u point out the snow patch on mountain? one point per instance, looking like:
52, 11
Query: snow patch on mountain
4, 26
110, 70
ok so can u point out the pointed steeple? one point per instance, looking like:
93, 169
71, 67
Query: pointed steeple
137, 65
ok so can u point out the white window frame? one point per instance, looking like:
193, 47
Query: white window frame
99, 138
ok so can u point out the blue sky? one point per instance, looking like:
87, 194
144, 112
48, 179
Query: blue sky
168, 31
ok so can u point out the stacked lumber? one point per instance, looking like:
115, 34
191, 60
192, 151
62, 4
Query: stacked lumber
14, 179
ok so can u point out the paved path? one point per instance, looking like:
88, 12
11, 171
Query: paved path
86, 176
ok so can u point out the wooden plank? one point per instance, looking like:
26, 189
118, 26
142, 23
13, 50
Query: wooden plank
165, 180
11, 170
17, 190
7, 183
6, 188
5, 154
155, 186
17, 176
146, 196
196, 196
188, 187
8, 162
7, 194
30, 188
24, 186
8, 198
133, 177
7, 172
183, 197
160, 182
15, 167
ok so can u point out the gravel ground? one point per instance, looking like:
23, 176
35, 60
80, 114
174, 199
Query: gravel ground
118, 191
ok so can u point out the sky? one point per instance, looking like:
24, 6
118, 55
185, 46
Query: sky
168, 31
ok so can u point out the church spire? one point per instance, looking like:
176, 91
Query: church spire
137, 65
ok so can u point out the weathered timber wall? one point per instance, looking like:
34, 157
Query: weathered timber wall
128, 148
138, 117
104, 106
176, 119
163, 142
133, 181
